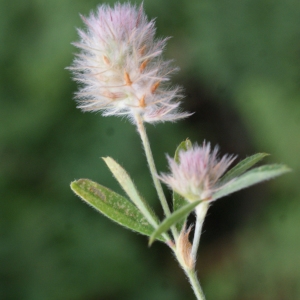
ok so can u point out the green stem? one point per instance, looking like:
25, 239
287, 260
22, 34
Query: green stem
192, 276
151, 164
201, 211
183, 255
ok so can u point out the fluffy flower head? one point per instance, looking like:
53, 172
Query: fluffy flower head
196, 175
121, 68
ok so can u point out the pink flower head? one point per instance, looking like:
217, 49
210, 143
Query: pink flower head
196, 175
121, 68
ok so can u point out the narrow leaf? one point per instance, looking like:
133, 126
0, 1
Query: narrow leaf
251, 177
127, 184
175, 217
242, 167
178, 200
112, 205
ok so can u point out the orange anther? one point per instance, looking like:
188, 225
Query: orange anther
106, 60
142, 102
127, 79
142, 50
155, 86
143, 65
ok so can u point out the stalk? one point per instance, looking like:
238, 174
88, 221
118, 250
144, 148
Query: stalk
142, 131
201, 211
192, 276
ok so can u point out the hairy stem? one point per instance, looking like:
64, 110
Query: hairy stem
201, 211
142, 131
192, 276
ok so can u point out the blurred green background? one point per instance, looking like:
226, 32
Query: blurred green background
240, 67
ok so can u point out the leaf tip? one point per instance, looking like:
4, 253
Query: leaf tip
264, 154
287, 169
151, 241
188, 144
73, 185
110, 162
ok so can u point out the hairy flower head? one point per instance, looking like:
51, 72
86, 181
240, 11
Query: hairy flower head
121, 68
196, 175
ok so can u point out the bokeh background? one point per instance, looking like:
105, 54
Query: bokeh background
240, 68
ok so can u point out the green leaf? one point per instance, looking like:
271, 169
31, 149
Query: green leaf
242, 167
175, 217
183, 146
178, 200
127, 184
113, 206
251, 177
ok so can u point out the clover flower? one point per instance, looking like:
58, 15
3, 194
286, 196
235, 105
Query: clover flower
121, 68
196, 175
